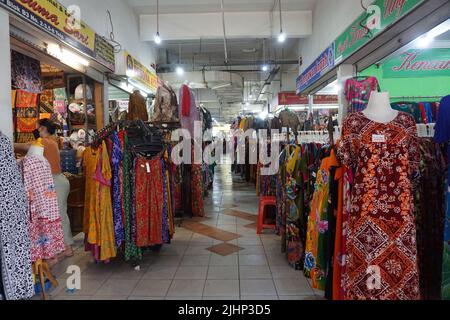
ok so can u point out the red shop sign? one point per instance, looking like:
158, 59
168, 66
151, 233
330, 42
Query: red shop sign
291, 98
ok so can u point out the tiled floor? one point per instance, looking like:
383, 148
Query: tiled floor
218, 257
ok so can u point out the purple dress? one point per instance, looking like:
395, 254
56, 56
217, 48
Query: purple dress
116, 158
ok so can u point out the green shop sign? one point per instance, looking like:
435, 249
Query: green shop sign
380, 15
417, 63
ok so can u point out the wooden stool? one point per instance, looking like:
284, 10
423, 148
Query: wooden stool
264, 203
42, 270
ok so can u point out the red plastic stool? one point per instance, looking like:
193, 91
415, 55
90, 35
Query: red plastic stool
264, 203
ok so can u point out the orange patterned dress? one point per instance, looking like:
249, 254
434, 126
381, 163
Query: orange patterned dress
98, 223
381, 245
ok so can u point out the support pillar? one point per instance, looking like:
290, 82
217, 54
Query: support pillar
345, 72
6, 112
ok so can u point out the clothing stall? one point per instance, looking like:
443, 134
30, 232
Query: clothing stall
377, 208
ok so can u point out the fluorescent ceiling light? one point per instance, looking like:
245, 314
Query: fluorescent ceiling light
66, 56
222, 86
70, 56
144, 94
424, 41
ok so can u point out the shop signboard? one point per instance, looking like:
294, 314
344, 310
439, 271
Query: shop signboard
292, 98
138, 72
416, 63
316, 70
53, 18
104, 53
381, 14
326, 99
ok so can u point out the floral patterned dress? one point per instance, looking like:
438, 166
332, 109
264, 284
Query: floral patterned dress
316, 253
381, 244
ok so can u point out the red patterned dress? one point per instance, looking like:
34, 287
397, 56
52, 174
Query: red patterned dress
381, 245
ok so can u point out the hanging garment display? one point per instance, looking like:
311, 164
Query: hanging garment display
189, 113
430, 212
318, 233
381, 243
442, 135
25, 73
289, 120
46, 233
15, 245
358, 92
142, 184
98, 214
149, 202
166, 105
137, 107
186, 103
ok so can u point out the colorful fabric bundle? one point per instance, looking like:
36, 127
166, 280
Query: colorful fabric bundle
26, 99
26, 125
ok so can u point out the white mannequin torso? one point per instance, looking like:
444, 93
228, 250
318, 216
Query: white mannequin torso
36, 151
379, 108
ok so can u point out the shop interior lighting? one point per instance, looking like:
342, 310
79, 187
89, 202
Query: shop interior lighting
70, 56
427, 39
424, 41
157, 36
179, 71
131, 73
66, 56
282, 35
265, 68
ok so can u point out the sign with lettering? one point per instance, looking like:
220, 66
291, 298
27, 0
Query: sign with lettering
104, 53
381, 14
53, 18
292, 98
433, 62
319, 67
137, 71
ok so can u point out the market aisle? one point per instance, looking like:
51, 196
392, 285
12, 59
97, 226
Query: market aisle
242, 265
